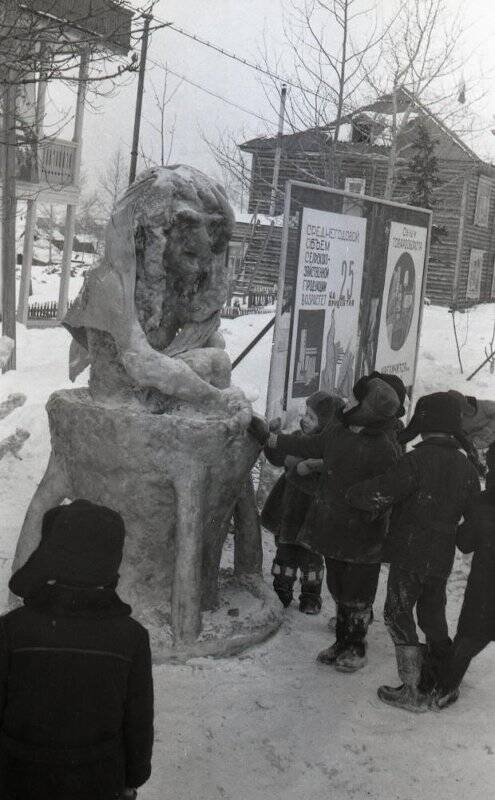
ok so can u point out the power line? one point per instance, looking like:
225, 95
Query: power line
228, 54
212, 93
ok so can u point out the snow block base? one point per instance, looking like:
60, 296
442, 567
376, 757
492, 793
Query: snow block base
175, 478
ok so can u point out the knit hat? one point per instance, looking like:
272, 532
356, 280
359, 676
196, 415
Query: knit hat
325, 406
439, 412
81, 546
359, 389
378, 403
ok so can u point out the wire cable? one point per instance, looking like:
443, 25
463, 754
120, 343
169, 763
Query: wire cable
212, 93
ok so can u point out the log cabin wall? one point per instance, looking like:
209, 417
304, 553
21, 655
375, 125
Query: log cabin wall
308, 160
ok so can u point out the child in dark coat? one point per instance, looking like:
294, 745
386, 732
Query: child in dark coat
430, 489
286, 508
476, 626
358, 447
76, 692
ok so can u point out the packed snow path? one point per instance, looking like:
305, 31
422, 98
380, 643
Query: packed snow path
271, 724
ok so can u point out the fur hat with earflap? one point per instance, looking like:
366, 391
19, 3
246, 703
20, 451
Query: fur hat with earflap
378, 403
81, 546
439, 412
327, 407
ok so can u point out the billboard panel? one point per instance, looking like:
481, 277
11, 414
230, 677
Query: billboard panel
351, 285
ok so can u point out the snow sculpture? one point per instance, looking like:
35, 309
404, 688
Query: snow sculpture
159, 434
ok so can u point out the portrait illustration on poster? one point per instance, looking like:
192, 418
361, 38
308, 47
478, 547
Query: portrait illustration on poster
401, 302
326, 305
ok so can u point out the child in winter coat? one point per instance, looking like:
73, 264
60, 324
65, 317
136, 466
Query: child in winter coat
287, 506
476, 626
358, 447
76, 692
430, 489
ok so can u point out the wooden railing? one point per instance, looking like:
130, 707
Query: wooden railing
50, 161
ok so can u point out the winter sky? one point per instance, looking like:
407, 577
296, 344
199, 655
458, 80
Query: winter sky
240, 27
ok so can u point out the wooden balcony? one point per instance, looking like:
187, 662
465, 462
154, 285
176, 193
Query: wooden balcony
49, 164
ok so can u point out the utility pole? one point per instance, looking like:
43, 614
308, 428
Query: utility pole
9, 213
139, 97
278, 151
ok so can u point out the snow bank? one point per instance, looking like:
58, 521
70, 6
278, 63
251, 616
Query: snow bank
271, 723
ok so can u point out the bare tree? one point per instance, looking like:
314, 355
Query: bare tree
331, 53
421, 63
112, 181
164, 130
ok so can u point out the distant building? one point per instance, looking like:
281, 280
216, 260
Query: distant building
461, 265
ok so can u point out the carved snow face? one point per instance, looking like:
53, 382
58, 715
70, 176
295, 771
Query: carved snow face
181, 272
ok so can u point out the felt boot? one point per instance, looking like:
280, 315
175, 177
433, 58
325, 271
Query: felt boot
284, 577
330, 654
352, 658
408, 696
355, 622
310, 597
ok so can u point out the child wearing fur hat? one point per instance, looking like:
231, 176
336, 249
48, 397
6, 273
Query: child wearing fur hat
476, 626
76, 692
430, 489
287, 505
358, 447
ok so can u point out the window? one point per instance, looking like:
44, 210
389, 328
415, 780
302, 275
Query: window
483, 197
356, 185
474, 275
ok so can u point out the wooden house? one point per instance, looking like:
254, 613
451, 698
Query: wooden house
461, 266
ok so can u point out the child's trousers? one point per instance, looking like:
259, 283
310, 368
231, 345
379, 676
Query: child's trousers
406, 591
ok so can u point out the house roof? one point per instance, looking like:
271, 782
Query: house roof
384, 105
103, 21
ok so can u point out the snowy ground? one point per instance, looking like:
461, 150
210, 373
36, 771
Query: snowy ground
271, 723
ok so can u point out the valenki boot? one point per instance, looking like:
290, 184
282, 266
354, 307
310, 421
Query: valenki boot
284, 578
356, 621
330, 654
310, 597
408, 695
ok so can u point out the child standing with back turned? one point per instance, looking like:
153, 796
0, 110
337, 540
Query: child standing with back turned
76, 691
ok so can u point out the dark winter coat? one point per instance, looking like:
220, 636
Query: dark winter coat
76, 697
332, 527
477, 536
288, 503
430, 489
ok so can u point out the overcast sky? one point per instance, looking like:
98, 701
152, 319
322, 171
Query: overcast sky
240, 26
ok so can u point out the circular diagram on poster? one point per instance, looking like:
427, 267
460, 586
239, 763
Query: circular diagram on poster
400, 302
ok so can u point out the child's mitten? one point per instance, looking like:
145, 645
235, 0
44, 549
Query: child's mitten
259, 430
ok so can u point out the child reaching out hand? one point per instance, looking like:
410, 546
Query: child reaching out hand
286, 508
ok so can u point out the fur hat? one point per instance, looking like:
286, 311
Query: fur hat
439, 412
359, 389
469, 405
378, 403
81, 545
325, 406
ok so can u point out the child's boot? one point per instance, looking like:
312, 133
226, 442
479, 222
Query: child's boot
330, 654
408, 696
284, 577
310, 597
356, 621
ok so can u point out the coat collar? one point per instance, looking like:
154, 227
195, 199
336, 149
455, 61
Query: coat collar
70, 601
440, 441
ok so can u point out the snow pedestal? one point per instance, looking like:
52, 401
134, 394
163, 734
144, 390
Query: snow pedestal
174, 478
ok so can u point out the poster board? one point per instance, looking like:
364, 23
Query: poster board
340, 286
